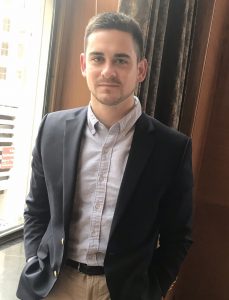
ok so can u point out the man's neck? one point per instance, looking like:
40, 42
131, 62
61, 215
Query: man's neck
109, 115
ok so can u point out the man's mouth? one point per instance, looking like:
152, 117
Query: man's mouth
108, 85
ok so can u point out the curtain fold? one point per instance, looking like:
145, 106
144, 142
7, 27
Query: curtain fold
167, 27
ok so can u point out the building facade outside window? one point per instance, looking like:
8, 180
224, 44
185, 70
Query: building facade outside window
20, 51
6, 24
2, 73
4, 49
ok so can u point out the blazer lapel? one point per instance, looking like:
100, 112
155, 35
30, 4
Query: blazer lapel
72, 139
141, 148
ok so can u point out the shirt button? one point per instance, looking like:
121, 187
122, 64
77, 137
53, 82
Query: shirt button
102, 178
62, 241
55, 273
97, 206
90, 257
93, 233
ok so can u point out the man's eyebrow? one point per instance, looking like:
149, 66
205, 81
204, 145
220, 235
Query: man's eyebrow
122, 55
117, 55
96, 53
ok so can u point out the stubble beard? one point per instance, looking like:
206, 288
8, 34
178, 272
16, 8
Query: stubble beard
114, 102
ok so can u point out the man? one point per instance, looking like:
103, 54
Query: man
109, 210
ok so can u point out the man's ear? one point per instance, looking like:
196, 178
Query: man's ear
142, 69
83, 64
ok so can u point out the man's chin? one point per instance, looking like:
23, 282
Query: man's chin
109, 101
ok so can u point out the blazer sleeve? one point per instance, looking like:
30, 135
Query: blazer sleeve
36, 213
175, 219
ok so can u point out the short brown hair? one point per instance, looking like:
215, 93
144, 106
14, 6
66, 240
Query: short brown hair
118, 21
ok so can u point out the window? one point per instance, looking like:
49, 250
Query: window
25, 39
4, 49
6, 24
20, 50
19, 74
2, 73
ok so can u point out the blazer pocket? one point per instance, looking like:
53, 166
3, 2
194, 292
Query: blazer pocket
36, 279
31, 266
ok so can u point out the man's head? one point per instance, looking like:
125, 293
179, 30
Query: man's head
118, 21
112, 62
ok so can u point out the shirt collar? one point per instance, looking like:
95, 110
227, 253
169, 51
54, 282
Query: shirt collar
91, 120
126, 123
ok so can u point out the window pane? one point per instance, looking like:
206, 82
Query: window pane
4, 49
6, 24
3, 73
24, 42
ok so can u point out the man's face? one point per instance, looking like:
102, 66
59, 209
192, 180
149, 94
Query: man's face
111, 67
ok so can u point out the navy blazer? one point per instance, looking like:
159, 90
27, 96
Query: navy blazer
151, 228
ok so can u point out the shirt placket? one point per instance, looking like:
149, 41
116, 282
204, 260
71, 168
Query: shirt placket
100, 194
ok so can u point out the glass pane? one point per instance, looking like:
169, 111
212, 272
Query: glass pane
25, 27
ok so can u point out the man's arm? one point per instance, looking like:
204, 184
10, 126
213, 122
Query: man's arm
175, 216
37, 212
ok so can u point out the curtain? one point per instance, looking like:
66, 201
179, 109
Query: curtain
167, 27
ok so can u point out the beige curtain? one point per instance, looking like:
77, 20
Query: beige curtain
167, 27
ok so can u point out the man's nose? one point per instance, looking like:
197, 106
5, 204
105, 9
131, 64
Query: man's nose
108, 71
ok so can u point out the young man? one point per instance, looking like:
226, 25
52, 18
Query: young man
109, 210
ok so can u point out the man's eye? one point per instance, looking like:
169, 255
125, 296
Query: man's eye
121, 61
97, 59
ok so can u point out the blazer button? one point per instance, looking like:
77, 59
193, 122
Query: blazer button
55, 273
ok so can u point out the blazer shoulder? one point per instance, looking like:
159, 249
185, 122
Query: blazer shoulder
166, 131
53, 124
67, 114
165, 136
